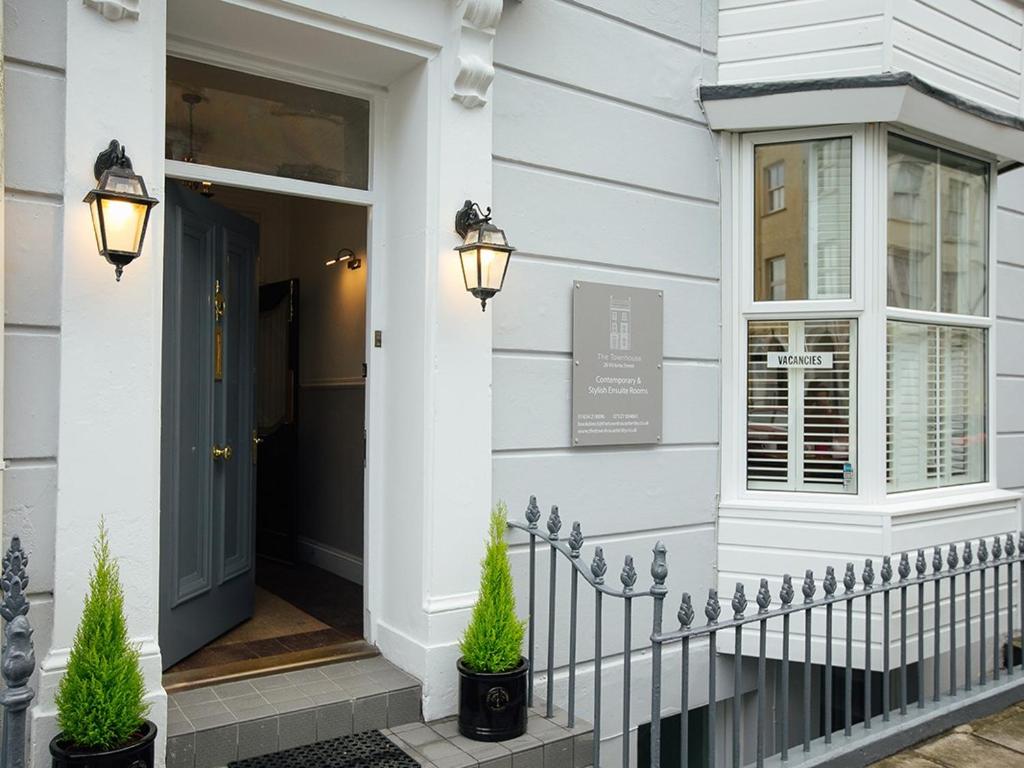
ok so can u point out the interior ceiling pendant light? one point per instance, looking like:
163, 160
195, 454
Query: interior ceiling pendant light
205, 188
345, 256
120, 208
484, 252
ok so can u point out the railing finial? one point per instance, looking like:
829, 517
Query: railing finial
829, 582
685, 612
997, 548
936, 559
14, 582
982, 551
886, 569
904, 568
953, 557
868, 575
786, 594
659, 567
764, 597
712, 608
598, 567
575, 540
554, 522
739, 601
808, 587
532, 512
849, 579
1009, 545
628, 575
968, 554
920, 565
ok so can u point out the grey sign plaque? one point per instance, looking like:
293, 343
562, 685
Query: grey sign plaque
617, 335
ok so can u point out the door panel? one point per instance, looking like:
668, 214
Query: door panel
206, 574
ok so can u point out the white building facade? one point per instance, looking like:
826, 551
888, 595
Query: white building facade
649, 145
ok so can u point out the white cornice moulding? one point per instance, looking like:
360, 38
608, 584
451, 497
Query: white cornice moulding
476, 51
115, 10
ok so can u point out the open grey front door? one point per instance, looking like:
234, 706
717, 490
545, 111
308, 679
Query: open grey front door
207, 509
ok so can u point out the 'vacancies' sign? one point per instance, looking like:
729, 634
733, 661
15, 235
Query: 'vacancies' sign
800, 360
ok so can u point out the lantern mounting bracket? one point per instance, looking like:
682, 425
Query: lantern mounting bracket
470, 215
111, 157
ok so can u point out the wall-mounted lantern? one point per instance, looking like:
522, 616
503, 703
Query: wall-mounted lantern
347, 257
484, 252
120, 208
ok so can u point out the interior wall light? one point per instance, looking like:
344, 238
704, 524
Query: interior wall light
347, 257
484, 253
120, 207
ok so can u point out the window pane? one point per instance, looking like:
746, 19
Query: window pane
911, 231
801, 405
938, 213
802, 209
964, 185
266, 126
936, 406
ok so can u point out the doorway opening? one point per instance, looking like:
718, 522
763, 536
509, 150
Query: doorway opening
265, 349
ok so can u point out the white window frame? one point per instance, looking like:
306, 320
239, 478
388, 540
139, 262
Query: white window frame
867, 306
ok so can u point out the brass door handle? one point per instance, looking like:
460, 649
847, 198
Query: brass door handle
222, 452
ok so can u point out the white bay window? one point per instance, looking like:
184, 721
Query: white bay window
864, 319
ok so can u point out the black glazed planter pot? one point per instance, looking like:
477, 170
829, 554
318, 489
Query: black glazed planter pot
492, 705
138, 754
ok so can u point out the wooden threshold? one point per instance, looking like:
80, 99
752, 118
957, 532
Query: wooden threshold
185, 680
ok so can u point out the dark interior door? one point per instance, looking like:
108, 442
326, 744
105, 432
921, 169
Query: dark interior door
208, 405
277, 415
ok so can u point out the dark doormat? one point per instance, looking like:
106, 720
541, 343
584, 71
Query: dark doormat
370, 749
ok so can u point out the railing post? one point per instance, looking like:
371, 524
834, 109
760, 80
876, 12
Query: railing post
808, 590
598, 568
849, 580
628, 579
659, 572
739, 605
968, 559
532, 516
982, 560
685, 616
886, 636
920, 567
868, 577
18, 658
575, 545
786, 597
937, 621
904, 571
554, 526
997, 552
952, 560
712, 610
764, 599
829, 585
1009, 604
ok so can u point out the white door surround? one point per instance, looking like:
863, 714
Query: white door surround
426, 68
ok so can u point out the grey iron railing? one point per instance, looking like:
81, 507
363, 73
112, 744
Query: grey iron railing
17, 660
911, 589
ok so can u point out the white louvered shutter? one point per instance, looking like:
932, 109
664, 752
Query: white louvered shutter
768, 413
829, 202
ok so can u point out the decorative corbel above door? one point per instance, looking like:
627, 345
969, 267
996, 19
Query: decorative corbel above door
115, 10
475, 58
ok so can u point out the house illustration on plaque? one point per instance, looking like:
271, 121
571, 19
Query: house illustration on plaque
619, 338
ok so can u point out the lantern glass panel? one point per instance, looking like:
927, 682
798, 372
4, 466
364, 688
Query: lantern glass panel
123, 224
492, 268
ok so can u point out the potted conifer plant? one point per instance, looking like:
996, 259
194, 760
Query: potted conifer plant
100, 706
492, 670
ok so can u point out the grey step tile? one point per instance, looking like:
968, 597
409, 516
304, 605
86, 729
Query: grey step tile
370, 713
181, 751
418, 736
196, 696
258, 737
334, 720
403, 707
216, 747
278, 695
178, 724
558, 754
245, 702
528, 758
196, 712
209, 722
583, 750
294, 705
296, 729
226, 691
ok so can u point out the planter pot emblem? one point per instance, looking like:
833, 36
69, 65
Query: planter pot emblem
492, 705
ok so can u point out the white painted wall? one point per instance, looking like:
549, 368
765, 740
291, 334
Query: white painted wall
604, 171
971, 48
1009, 281
34, 59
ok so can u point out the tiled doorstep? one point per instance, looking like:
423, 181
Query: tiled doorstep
546, 744
209, 727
